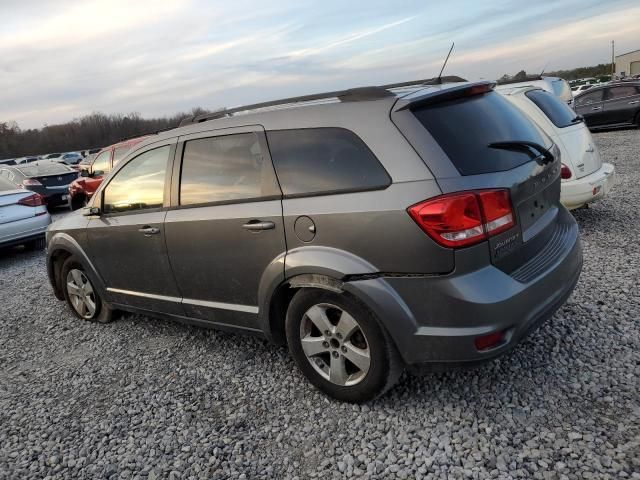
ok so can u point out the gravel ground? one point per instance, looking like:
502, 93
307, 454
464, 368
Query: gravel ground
144, 398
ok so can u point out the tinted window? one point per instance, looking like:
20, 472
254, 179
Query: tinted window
324, 160
225, 168
621, 92
101, 163
139, 184
556, 110
119, 153
591, 97
44, 168
465, 127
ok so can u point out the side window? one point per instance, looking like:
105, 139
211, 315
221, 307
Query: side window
139, 184
225, 168
555, 109
101, 162
324, 160
119, 153
622, 92
588, 98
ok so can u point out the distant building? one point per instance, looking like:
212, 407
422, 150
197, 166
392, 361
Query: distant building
628, 63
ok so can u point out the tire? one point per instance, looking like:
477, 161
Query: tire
37, 244
358, 336
84, 302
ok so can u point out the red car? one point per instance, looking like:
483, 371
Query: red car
82, 189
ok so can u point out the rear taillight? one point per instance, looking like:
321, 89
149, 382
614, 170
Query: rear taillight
35, 200
565, 172
30, 182
465, 218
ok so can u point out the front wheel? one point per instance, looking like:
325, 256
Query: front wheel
340, 346
81, 295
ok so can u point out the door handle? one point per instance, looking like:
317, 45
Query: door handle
634, 102
258, 225
148, 231
596, 108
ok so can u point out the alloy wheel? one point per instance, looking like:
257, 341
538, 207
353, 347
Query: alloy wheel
335, 345
81, 293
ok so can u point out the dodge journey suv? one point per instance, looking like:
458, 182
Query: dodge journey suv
369, 230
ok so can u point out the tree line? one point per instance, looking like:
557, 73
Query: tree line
596, 71
91, 131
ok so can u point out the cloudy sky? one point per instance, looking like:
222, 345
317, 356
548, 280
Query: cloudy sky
60, 59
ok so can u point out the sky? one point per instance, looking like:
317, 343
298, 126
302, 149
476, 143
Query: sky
61, 59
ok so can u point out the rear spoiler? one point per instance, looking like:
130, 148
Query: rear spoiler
452, 92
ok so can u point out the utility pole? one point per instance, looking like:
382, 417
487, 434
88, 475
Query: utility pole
613, 61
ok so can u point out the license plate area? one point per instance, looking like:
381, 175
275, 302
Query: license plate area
534, 208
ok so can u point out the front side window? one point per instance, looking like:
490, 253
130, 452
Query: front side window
139, 184
556, 110
622, 92
101, 163
225, 168
589, 98
323, 161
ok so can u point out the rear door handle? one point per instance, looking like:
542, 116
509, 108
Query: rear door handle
258, 225
634, 102
596, 108
148, 231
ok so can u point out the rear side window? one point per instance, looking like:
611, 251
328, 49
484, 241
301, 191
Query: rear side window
557, 111
225, 169
324, 160
465, 127
118, 154
622, 92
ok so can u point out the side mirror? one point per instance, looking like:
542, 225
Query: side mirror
91, 212
84, 172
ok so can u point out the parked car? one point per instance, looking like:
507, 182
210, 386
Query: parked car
367, 230
49, 179
611, 105
23, 217
584, 177
83, 188
70, 158
22, 160
580, 88
8, 161
556, 85
50, 156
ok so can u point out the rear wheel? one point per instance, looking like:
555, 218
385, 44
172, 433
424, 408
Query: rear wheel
340, 346
81, 295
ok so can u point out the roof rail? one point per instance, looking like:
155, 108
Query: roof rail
530, 78
350, 95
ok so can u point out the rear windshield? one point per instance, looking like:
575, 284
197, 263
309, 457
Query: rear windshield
556, 110
6, 185
562, 89
44, 168
465, 127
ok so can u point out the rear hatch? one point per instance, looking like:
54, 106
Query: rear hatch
583, 156
493, 145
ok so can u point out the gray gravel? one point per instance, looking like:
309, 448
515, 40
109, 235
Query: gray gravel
145, 398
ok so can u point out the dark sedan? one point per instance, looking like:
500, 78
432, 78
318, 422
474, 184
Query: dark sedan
611, 105
49, 179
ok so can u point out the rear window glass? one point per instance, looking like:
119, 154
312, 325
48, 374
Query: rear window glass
557, 111
324, 160
465, 127
6, 185
44, 168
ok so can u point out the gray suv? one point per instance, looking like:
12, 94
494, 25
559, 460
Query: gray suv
369, 230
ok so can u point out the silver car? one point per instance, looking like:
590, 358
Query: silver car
23, 217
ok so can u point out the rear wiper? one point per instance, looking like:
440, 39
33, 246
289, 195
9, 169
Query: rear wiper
535, 149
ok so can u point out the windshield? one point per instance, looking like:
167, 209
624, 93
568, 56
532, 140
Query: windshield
561, 89
45, 168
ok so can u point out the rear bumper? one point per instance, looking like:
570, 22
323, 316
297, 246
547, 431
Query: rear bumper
450, 312
577, 193
16, 233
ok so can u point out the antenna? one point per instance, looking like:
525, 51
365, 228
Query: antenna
545, 67
439, 80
